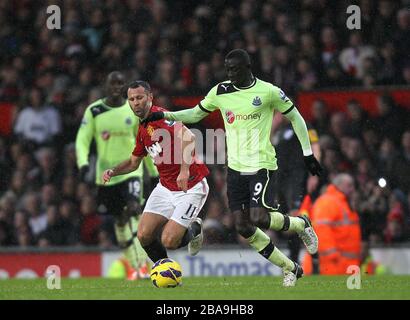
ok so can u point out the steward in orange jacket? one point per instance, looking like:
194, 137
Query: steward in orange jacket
337, 227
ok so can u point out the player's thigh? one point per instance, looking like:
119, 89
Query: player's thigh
158, 210
160, 202
150, 225
237, 190
189, 204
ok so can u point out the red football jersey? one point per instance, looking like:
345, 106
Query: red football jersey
157, 139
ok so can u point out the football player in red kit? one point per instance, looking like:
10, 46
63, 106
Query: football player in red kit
170, 217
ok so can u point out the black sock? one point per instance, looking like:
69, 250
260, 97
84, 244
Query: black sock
156, 251
315, 263
201, 214
193, 230
294, 247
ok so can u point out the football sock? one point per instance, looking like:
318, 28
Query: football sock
281, 222
294, 243
263, 244
193, 230
315, 263
156, 250
129, 243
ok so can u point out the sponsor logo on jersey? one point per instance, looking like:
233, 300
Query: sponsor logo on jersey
257, 101
231, 117
154, 150
105, 135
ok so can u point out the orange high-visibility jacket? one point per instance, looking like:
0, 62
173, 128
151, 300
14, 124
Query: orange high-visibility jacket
337, 227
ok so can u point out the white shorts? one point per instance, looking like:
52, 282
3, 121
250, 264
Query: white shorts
177, 205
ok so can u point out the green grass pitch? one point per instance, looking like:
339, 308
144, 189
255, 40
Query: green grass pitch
206, 288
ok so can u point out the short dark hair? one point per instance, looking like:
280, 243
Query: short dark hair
135, 84
139, 83
239, 54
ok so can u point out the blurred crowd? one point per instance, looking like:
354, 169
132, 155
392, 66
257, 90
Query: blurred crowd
179, 46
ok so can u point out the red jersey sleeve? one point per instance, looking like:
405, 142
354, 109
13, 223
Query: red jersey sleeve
139, 149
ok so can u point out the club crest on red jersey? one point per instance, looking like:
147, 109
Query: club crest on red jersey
150, 130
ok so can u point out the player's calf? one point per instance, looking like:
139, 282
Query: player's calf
155, 250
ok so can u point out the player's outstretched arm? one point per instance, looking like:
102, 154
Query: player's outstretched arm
192, 115
299, 126
124, 167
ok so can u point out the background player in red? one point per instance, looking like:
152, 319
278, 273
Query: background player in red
169, 219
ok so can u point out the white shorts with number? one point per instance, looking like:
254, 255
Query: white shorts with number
178, 205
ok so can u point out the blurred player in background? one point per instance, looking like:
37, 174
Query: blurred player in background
297, 190
170, 218
247, 105
113, 126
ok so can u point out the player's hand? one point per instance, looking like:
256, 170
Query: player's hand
313, 165
154, 116
107, 174
182, 180
83, 172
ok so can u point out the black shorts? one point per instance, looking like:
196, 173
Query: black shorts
113, 199
252, 190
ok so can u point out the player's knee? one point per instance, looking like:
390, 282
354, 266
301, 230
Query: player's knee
259, 217
244, 228
145, 238
170, 241
260, 222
